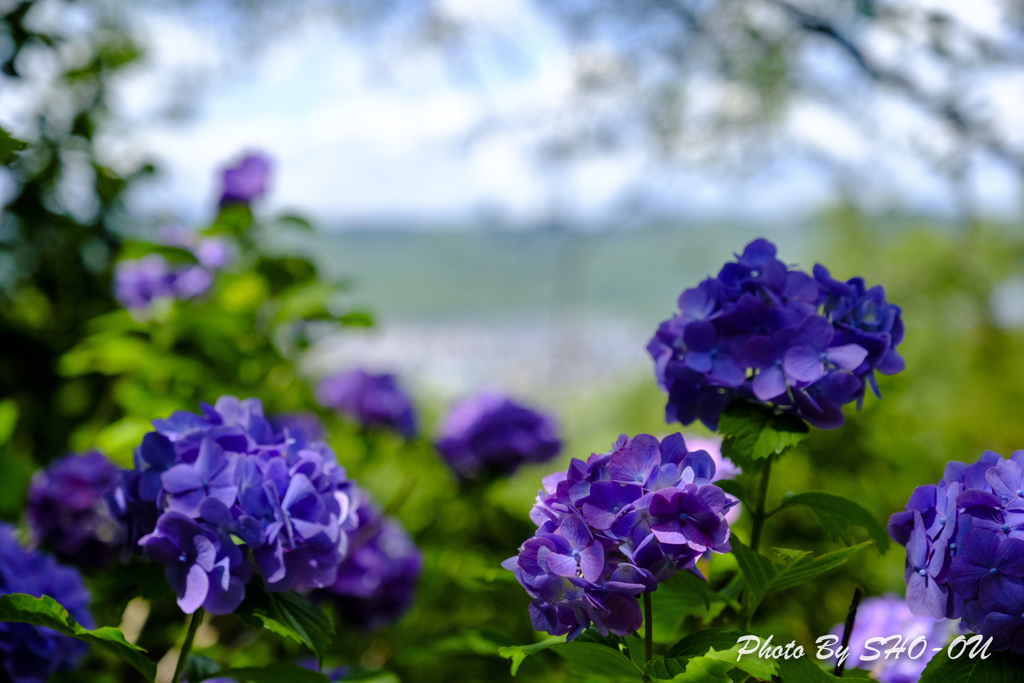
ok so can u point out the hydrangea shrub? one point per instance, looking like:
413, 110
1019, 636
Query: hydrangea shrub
765, 333
613, 527
489, 434
964, 538
67, 509
220, 485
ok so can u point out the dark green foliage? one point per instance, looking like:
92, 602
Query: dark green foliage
754, 432
838, 514
287, 614
998, 667
45, 611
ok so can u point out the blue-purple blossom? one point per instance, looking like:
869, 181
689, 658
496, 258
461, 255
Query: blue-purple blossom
886, 616
489, 434
245, 181
67, 509
763, 333
29, 654
375, 401
209, 489
137, 282
965, 548
615, 526
377, 580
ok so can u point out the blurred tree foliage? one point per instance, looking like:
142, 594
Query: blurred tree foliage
63, 222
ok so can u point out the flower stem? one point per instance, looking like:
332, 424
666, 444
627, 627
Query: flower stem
762, 493
186, 647
858, 593
648, 628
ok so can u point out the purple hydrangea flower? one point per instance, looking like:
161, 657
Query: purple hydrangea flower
764, 333
208, 489
29, 654
376, 582
246, 181
889, 615
965, 548
375, 401
137, 282
68, 511
488, 434
615, 526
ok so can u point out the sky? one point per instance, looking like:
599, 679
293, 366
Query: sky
363, 137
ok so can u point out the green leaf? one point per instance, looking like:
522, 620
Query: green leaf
1000, 667
754, 432
700, 642
281, 672
838, 514
295, 221
758, 570
683, 595
804, 568
9, 146
709, 656
804, 670
517, 653
47, 612
199, 667
136, 249
590, 660
287, 614
764, 577
357, 319
8, 419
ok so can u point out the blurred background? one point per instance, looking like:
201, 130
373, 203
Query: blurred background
520, 189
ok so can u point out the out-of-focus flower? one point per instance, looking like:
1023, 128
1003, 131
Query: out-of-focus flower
206, 489
334, 674
304, 421
615, 526
68, 511
213, 253
488, 433
375, 401
764, 333
246, 181
965, 547
377, 581
887, 616
137, 282
29, 654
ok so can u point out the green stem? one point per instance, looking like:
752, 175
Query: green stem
758, 513
851, 617
648, 628
400, 496
186, 647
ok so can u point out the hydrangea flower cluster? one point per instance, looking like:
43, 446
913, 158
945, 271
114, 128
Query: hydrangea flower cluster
245, 181
29, 654
764, 333
965, 547
889, 615
137, 282
616, 526
375, 401
377, 581
207, 489
489, 434
67, 509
